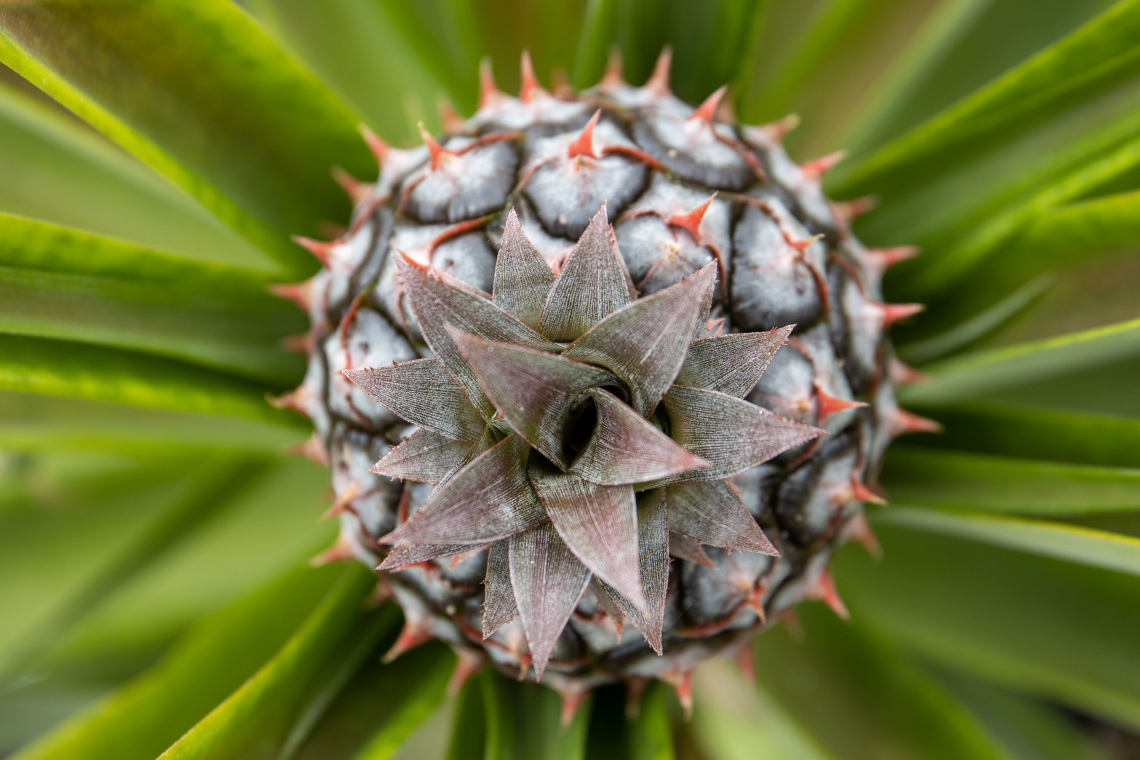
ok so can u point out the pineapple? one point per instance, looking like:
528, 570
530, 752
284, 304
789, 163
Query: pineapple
677, 414
601, 377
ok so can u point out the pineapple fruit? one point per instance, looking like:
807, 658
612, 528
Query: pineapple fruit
602, 379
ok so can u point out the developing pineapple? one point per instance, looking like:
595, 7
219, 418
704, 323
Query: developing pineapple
602, 380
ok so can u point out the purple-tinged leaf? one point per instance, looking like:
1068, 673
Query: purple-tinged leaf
424, 457
683, 547
438, 300
402, 556
606, 603
733, 363
653, 537
533, 390
548, 581
644, 343
626, 448
489, 499
598, 523
711, 513
523, 279
490, 437
498, 597
423, 393
593, 284
730, 433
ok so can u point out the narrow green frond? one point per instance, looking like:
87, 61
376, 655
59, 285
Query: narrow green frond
64, 284
523, 721
862, 697
150, 713
199, 92
56, 169
962, 480
1051, 628
75, 370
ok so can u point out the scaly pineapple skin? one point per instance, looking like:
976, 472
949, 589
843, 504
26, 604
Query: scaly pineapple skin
654, 160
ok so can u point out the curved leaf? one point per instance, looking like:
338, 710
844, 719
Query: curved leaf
35, 365
199, 92
155, 709
1051, 628
861, 697
64, 284
523, 722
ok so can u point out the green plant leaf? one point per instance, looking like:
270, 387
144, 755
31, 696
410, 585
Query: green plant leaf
1046, 627
961, 480
469, 727
199, 92
733, 721
1071, 543
254, 721
1038, 434
973, 375
523, 722
65, 284
56, 168
76, 370
154, 710
862, 697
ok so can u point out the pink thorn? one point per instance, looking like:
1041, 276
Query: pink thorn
885, 258
659, 80
584, 145
312, 449
707, 110
802, 245
858, 528
448, 116
414, 633
613, 77
296, 400
300, 293
488, 90
862, 493
776, 131
850, 210
435, 150
319, 249
903, 374
529, 88
682, 681
818, 167
353, 188
745, 659
560, 83
829, 405
825, 592
571, 700
903, 422
378, 147
691, 222
468, 662
893, 312
338, 552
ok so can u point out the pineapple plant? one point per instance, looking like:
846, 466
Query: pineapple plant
600, 375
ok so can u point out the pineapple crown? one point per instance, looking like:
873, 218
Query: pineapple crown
572, 427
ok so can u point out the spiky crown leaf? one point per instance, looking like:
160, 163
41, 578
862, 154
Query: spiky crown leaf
573, 427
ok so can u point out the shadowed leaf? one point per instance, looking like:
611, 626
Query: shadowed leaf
644, 343
683, 547
423, 393
548, 581
598, 523
498, 596
438, 300
653, 540
523, 279
713, 514
592, 285
730, 433
424, 457
410, 554
532, 389
488, 499
733, 363
626, 448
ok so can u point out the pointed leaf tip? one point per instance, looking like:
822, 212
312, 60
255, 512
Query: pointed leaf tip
707, 109
523, 278
584, 145
659, 80
711, 513
733, 363
529, 87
